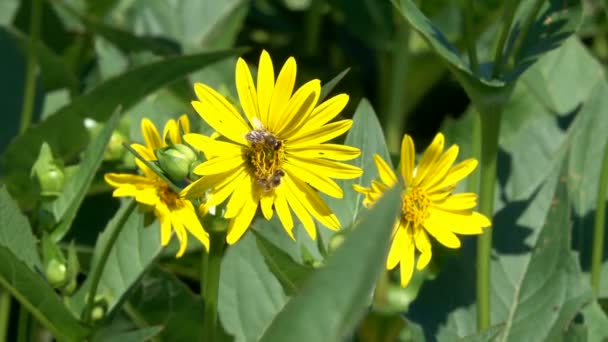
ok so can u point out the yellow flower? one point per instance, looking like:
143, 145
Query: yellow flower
428, 205
278, 157
173, 212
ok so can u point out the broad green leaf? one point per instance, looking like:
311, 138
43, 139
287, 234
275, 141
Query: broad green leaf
8, 10
287, 271
66, 206
250, 295
162, 300
126, 90
489, 335
331, 84
334, 297
595, 321
365, 134
144, 334
19, 274
134, 251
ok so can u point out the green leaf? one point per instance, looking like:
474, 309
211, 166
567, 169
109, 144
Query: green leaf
126, 89
161, 299
290, 273
134, 251
144, 334
66, 206
249, 296
596, 322
367, 135
331, 84
8, 10
334, 297
19, 274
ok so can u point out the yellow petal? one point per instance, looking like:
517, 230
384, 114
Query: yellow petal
193, 224
240, 196
220, 114
327, 151
326, 111
246, 90
464, 222
441, 167
423, 245
463, 201
301, 213
319, 135
147, 196
120, 179
282, 93
441, 233
150, 133
240, 224
322, 183
266, 201
408, 159
198, 188
406, 267
299, 108
265, 85
182, 236
312, 202
220, 165
397, 247
432, 153
385, 171
171, 132
327, 168
184, 124
456, 174
282, 208
220, 193
125, 191
165, 225
213, 148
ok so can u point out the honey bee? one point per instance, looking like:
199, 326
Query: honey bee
269, 183
264, 138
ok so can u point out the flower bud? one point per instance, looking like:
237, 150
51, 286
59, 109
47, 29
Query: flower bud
97, 313
48, 173
335, 242
176, 161
115, 150
56, 273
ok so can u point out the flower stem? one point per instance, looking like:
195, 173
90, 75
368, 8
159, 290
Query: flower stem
29, 91
23, 325
507, 21
490, 127
396, 96
519, 43
473, 179
5, 310
469, 36
313, 23
598, 229
211, 282
114, 231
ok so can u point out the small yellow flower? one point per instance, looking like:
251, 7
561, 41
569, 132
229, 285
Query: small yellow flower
173, 212
278, 158
428, 205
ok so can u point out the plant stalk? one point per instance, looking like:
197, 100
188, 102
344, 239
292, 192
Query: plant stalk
313, 23
599, 224
507, 21
211, 282
29, 91
114, 232
490, 127
469, 36
5, 310
23, 323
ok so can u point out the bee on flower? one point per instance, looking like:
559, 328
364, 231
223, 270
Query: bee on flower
428, 205
277, 157
153, 193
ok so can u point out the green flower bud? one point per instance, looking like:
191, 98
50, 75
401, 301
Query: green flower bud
56, 273
48, 173
97, 313
335, 242
115, 150
176, 161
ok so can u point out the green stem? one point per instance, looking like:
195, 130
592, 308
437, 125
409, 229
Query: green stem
523, 35
211, 282
490, 127
5, 310
23, 325
29, 91
313, 23
473, 179
598, 229
97, 270
396, 117
507, 21
469, 35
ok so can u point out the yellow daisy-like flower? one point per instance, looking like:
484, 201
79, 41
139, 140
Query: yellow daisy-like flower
428, 205
278, 157
173, 212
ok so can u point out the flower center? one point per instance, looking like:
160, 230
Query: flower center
415, 206
266, 156
166, 195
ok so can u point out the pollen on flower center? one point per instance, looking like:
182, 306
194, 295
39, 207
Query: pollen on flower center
266, 156
166, 195
415, 206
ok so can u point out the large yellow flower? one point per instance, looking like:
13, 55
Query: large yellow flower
173, 212
428, 205
278, 157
